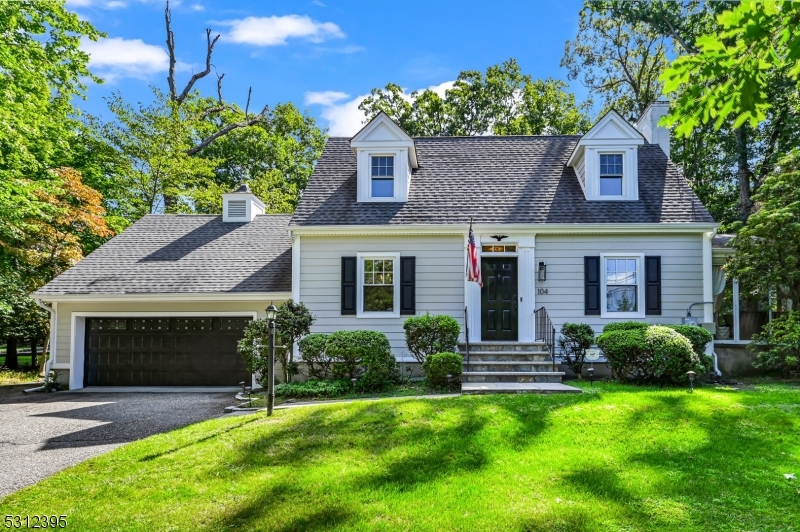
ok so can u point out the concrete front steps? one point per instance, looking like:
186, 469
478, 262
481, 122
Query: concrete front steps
511, 367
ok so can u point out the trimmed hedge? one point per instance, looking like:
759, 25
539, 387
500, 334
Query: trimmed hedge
653, 352
429, 334
439, 365
313, 389
312, 351
367, 350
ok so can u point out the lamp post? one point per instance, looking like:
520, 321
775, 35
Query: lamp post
691, 375
272, 314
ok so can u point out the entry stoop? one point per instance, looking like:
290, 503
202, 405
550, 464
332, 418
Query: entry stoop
511, 367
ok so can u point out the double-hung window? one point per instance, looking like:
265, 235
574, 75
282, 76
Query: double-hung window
611, 174
622, 286
382, 176
379, 293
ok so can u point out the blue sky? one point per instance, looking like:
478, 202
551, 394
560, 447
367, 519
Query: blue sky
323, 55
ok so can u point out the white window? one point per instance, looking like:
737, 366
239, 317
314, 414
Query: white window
611, 174
623, 286
382, 176
378, 285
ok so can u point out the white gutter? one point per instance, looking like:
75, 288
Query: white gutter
51, 348
172, 297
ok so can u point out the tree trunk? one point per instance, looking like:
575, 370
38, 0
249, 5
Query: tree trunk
12, 360
43, 358
743, 174
33, 353
170, 203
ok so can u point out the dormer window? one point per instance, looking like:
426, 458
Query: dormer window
382, 176
611, 174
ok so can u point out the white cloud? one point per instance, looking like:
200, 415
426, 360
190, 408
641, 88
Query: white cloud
318, 3
198, 7
79, 3
115, 4
272, 31
125, 57
344, 118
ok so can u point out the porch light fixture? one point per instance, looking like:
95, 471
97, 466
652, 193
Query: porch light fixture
542, 271
272, 315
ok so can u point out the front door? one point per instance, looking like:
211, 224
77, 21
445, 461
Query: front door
499, 299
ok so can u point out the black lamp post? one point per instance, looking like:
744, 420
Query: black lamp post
591, 377
272, 315
691, 375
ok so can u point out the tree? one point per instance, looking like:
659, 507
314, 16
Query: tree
619, 60
767, 257
502, 101
293, 322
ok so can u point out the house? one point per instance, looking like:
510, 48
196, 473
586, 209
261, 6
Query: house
594, 228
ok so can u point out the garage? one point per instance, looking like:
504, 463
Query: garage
164, 351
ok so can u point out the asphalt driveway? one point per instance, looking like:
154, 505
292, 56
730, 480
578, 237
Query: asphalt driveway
41, 434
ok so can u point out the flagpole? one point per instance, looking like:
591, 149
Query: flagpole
466, 314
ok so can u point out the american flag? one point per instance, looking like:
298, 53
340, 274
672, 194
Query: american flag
473, 261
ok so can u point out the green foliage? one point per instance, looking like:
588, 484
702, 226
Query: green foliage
625, 326
778, 344
439, 365
697, 336
619, 60
730, 74
767, 247
294, 321
367, 351
650, 352
312, 351
314, 389
429, 334
575, 339
502, 101
254, 348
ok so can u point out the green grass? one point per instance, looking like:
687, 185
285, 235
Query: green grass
24, 374
615, 458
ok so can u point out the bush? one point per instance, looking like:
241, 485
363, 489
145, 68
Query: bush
575, 339
778, 344
353, 351
293, 322
313, 389
625, 350
670, 355
626, 326
312, 350
697, 336
426, 335
257, 359
439, 365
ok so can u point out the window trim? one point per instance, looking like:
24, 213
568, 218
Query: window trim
640, 303
361, 257
623, 182
386, 178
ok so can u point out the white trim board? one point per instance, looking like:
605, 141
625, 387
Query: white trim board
521, 229
166, 297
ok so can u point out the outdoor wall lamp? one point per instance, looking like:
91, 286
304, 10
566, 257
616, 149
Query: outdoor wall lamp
272, 315
542, 271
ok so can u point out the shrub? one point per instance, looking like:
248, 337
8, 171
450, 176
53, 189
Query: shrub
354, 351
778, 344
426, 335
312, 350
293, 322
257, 359
439, 365
313, 389
575, 339
670, 355
697, 336
626, 326
625, 350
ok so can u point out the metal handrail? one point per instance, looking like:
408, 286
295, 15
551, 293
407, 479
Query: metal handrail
466, 334
545, 332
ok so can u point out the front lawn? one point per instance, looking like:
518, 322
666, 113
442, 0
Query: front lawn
614, 458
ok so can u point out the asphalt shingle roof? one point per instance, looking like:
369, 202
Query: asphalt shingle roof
510, 179
721, 241
185, 254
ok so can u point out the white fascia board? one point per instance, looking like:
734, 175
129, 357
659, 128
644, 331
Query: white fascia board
460, 229
129, 298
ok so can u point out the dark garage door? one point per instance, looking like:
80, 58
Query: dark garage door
164, 352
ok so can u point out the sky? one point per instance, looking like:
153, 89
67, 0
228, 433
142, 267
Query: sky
323, 55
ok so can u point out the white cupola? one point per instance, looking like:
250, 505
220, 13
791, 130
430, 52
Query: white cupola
385, 156
606, 160
241, 205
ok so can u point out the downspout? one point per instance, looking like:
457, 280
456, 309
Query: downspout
49, 362
713, 353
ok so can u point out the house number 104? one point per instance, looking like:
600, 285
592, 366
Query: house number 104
541, 291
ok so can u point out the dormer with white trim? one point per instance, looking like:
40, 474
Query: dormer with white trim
606, 160
241, 205
385, 156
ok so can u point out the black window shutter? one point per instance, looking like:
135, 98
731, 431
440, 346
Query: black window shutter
591, 276
408, 281
349, 285
652, 286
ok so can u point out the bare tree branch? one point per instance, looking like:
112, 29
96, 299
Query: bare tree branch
227, 129
219, 87
171, 47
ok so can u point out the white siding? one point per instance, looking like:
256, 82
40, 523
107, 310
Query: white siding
681, 270
439, 280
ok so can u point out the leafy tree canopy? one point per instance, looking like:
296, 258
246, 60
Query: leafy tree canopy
503, 101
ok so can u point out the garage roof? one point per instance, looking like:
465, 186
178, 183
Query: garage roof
185, 254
